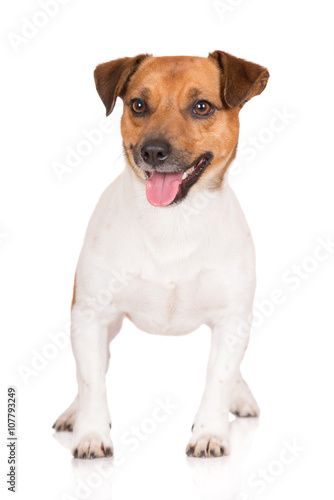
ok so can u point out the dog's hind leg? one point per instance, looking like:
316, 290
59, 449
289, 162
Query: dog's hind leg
243, 403
65, 421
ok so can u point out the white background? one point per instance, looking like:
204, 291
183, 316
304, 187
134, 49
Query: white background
285, 186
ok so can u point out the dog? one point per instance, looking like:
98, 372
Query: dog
151, 256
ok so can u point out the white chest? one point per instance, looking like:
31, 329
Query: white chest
177, 272
171, 307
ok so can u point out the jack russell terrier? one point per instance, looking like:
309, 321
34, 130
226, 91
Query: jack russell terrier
183, 266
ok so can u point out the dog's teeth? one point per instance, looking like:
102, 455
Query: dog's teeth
188, 172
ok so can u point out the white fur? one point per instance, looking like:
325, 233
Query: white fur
170, 270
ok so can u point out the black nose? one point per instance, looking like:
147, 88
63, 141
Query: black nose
155, 152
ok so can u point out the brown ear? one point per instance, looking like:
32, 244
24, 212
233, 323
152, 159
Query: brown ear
112, 77
241, 80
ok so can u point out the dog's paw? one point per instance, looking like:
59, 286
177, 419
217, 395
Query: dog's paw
93, 446
245, 409
206, 446
65, 422
243, 402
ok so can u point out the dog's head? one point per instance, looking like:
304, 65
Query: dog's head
180, 123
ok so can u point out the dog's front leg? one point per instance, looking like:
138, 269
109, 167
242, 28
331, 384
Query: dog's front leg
211, 425
91, 433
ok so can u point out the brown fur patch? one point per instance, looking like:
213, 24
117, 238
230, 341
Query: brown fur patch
170, 86
74, 291
240, 79
112, 77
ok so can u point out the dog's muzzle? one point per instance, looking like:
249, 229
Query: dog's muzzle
168, 173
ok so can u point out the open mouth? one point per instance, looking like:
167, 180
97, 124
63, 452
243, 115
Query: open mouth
165, 188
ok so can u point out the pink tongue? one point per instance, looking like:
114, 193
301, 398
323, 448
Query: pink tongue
161, 188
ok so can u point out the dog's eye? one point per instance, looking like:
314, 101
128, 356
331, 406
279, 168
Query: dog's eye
138, 106
203, 108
